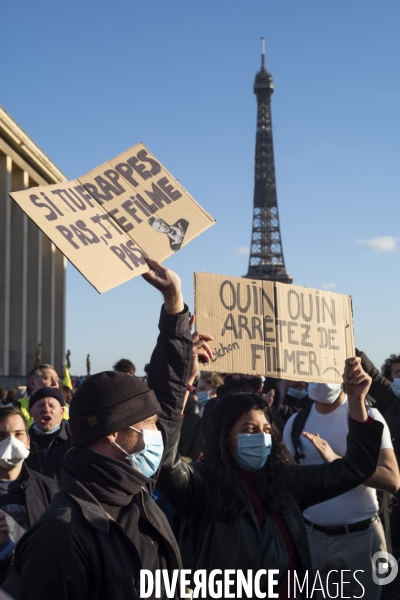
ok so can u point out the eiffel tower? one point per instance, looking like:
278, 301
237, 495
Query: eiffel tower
266, 254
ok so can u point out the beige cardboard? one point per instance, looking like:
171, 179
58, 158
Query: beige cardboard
108, 220
274, 329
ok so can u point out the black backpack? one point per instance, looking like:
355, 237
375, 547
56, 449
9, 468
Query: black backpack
299, 423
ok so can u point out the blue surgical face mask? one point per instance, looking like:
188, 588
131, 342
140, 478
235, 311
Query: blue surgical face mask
396, 387
295, 393
36, 428
203, 398
148, 460
253, 450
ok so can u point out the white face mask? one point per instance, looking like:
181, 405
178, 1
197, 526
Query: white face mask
325, 393
12, 453
396, 387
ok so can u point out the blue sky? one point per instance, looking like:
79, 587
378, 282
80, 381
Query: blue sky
86, 80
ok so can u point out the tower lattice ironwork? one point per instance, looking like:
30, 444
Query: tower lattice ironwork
266, 254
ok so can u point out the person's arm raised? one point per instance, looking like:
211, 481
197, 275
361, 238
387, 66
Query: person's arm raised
381, 388
356, 385
170, 359
386, 476
168, 283
322, 482
201, 353
178, 481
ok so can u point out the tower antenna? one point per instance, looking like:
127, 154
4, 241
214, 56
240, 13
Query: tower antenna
263, 52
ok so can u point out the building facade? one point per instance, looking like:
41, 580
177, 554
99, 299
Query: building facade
32, 269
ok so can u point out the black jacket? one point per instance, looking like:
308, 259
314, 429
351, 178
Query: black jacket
39, 491
191, 440
383, 399
76, 552
51, 463
210, 544
83, 554
381, 391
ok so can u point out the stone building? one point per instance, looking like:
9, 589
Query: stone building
32, 270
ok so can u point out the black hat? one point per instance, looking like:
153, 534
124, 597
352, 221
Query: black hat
47, 392
108, 402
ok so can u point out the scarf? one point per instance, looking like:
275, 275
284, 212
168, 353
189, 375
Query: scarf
111, 481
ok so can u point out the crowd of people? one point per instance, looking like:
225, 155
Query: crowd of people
201, 471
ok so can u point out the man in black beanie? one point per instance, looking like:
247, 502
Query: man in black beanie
50, 433
104, 526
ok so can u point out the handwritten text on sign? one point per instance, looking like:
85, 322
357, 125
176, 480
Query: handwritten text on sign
109, 220
275, 329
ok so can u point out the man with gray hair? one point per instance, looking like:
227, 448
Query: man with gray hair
41, 376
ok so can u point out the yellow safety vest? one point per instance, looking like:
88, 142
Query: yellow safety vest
24, 404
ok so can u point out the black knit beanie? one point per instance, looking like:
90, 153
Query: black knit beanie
47, 392
108, 402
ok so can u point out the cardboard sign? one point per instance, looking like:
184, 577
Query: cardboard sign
109, 220
274, 329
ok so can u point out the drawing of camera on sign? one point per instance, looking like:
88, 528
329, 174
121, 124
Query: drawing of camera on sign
175, 232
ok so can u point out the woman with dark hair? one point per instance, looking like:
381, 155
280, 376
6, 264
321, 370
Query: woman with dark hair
242, 505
